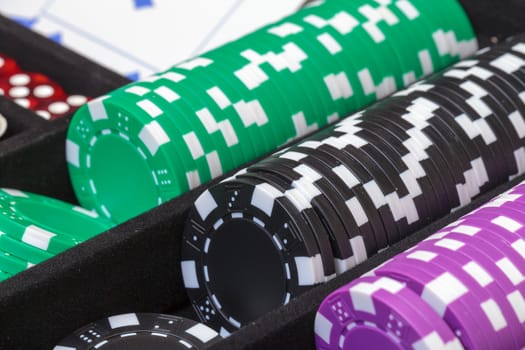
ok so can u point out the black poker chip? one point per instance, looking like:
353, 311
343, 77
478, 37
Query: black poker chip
425, 151
247, 233
306, 207
449, 121
356, 224
362, 223
287, 223
318, 191
414, 193
411, 152
482, 116
507, 103
141, 331
360, 180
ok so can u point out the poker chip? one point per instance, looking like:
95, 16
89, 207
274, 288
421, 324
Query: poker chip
182, 127
36, 92
380, 313
34, 228
371, 180
470, 277
3, 125
280, 246
135, 331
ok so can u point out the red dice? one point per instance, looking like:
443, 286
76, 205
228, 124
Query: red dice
36, 91
8, 66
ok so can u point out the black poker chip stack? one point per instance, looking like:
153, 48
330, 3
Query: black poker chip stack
315, 210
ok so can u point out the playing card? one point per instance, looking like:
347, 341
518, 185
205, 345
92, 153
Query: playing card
138, 37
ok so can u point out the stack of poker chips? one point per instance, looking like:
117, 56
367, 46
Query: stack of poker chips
35, 91
315, 210
463, 287
141, 331
206, 116
34, 228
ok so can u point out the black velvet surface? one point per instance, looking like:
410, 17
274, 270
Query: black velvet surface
135, 267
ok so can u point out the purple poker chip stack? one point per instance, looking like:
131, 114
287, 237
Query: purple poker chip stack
467, 281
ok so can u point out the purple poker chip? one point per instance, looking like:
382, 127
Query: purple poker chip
509, 224
380, 313
507, 200
449, 297
506, 246
515, 194
486, 276
492, 302
485, 249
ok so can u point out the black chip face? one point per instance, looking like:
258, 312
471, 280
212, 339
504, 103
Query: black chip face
141, 331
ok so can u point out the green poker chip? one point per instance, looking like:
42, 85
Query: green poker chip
22, 250
153, 140
12, 264
4, 275
45, 226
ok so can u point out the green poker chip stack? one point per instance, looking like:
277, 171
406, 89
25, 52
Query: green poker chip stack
148, 142
34, 228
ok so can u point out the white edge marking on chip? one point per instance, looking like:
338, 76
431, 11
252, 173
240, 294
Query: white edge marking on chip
478, 273
137, 90
96, 108
202, 332
443, 291
285, 29
511, 271
219, 97
205, 204
123, 320
150, 108
166, 93
193, 144
72, 153
193, 178
305, 270
507, 223
153, 136
262, 200
37, 237
494, 315
15, 193
422, 255
323, 327
361, 295
517, 302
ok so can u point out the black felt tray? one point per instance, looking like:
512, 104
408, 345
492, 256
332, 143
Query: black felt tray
135, 267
